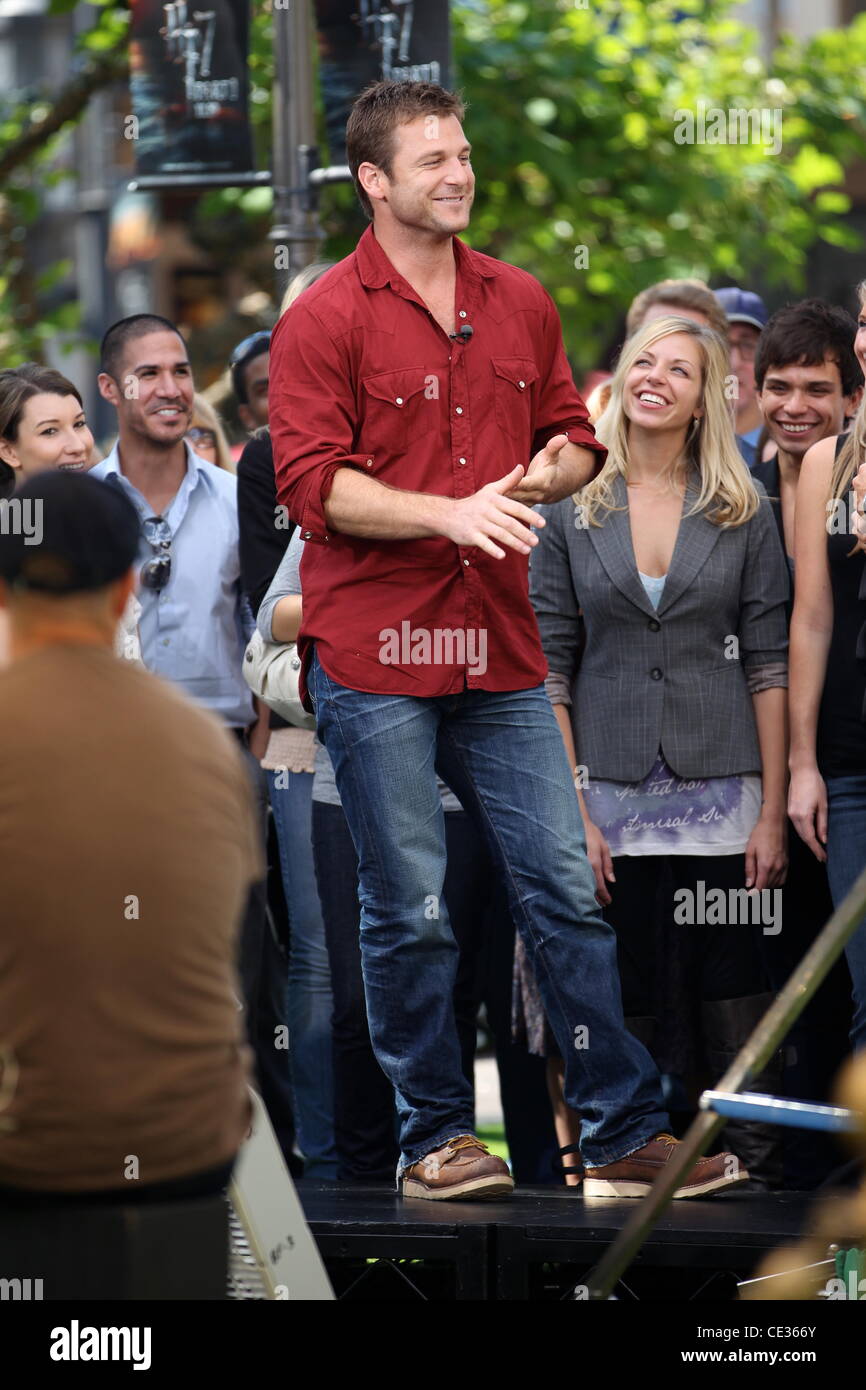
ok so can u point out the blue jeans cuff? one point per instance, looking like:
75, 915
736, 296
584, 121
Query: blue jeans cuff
611, 1156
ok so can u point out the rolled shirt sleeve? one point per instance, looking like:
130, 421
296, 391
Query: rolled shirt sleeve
557, 689
767, 677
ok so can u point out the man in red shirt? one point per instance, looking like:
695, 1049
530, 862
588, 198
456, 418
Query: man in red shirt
421, 403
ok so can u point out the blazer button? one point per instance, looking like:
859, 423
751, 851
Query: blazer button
656, 673
654, 625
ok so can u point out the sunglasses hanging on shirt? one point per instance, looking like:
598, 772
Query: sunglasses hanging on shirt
156, 572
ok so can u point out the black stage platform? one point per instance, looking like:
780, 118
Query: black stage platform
538, 1244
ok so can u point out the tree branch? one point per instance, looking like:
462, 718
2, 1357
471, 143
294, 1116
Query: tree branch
102, 70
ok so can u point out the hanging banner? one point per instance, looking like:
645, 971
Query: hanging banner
362, 40
188, 81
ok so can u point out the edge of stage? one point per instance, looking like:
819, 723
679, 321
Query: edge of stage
539, 1243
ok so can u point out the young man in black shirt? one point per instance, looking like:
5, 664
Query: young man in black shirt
809, 382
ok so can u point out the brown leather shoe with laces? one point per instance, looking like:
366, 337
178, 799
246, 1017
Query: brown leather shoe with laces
464, 1167
634, 1175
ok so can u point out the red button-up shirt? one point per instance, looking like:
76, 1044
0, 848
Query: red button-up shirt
362, 376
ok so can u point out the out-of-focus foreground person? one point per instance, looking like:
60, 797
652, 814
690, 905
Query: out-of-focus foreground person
127, 849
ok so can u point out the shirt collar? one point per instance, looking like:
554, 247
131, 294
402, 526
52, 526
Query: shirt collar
197, 468
376, 270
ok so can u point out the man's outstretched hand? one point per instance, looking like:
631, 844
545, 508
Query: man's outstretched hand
550, 476
490, 515
498, 515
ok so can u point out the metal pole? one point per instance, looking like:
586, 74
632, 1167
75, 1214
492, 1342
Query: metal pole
749, 1062
295, 231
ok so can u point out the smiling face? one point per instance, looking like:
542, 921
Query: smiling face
802, 405
431, 185
662, 388
154, 392
52, 433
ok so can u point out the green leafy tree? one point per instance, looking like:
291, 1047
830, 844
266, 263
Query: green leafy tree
576, 118
33, 128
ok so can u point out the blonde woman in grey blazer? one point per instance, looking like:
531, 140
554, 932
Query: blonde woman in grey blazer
674, 713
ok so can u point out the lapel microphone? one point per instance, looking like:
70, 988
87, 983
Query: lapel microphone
464, 333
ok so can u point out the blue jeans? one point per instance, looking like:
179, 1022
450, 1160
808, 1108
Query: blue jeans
503, 755
846, 860
309, 1002
364, 1107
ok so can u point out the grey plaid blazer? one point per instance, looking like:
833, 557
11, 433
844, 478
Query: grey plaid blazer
674, 679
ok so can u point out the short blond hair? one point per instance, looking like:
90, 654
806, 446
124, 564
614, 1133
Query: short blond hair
679, 294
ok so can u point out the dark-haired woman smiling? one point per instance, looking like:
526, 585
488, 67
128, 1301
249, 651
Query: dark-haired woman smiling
42, 424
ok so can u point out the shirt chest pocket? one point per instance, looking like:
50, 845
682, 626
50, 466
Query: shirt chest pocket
397, 408
512, 382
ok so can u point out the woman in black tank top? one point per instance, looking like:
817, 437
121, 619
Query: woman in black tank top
827, 800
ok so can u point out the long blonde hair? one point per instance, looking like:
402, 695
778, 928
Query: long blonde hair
726, 494
853, 451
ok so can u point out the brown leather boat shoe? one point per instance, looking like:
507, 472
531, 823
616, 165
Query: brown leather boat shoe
634, 1175
462, 1168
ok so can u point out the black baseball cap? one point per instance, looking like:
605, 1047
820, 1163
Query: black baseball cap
62, 533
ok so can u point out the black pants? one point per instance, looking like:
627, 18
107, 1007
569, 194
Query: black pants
817, 1044
364, 1112
720, 962
263, 969
202, 1184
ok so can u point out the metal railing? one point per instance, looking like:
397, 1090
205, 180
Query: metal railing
749, 1062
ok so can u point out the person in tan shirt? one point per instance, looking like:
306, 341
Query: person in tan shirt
127, 847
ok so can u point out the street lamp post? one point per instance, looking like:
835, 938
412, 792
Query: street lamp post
295, 232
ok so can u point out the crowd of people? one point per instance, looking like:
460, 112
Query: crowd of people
589, 688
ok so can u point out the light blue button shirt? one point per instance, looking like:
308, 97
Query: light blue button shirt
194, 631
